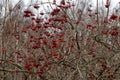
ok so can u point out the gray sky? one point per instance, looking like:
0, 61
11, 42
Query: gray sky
113, 2
27, 2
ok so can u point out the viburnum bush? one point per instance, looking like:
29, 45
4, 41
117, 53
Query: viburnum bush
72, 41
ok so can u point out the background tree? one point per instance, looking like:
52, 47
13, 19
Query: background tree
71, 42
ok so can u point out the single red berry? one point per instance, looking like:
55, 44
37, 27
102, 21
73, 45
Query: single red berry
36, 7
